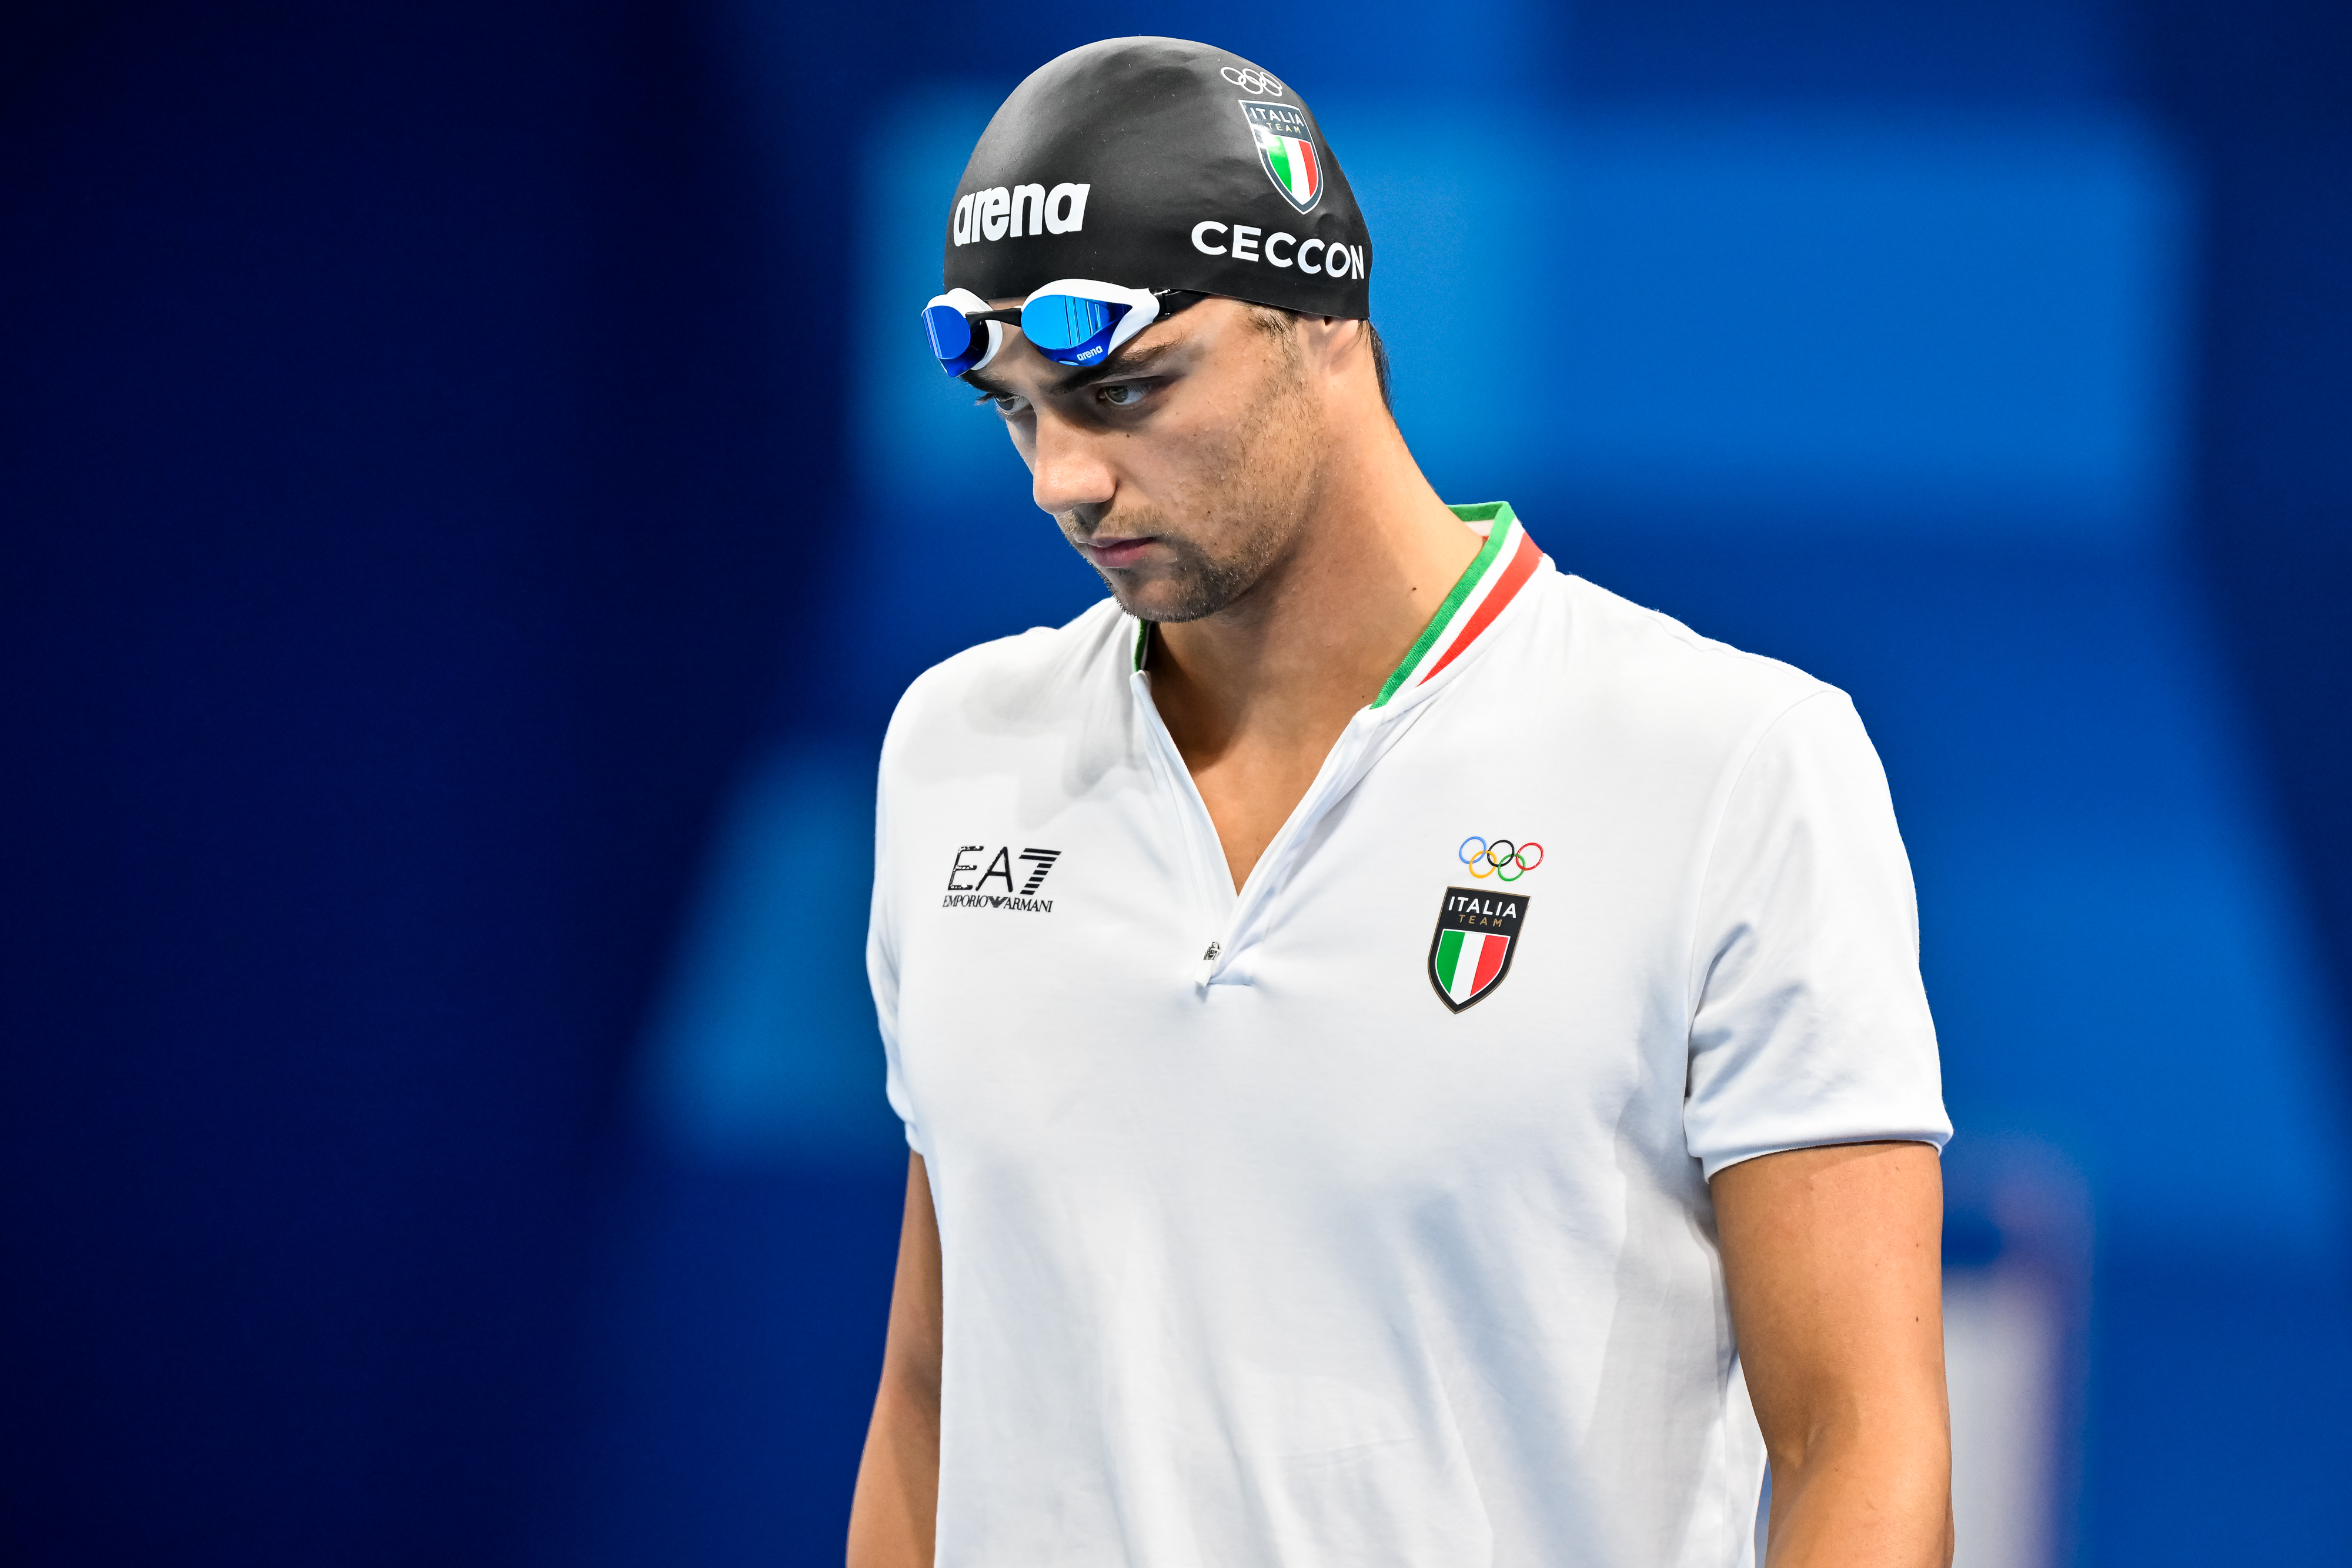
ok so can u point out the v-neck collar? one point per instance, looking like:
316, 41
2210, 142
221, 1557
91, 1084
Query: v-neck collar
1232, 916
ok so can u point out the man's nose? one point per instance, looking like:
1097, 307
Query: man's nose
1070, 472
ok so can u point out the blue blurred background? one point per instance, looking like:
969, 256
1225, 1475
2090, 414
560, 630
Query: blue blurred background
472, 489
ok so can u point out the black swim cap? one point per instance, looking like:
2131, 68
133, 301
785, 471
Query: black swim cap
1158, 164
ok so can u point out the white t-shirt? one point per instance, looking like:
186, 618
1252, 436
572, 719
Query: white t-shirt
1362, 1219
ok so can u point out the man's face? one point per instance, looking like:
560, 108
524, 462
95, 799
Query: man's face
1181, 468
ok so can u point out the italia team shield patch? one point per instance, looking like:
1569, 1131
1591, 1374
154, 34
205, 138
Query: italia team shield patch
1285, 147
1477, 937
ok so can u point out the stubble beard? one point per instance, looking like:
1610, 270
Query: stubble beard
1251, 498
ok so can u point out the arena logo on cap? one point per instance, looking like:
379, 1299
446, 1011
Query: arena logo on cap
999, 213
1285, 150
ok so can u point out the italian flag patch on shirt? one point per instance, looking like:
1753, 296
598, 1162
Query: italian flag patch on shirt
1471, 952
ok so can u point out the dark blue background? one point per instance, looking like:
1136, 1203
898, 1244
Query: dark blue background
429, 482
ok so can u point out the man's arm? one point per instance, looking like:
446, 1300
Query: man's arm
1832, 1259
893, 1518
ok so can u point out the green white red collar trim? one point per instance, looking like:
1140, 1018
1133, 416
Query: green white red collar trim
1492, 580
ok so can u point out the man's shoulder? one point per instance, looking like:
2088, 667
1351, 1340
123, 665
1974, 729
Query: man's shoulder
1016, 684
1648, 667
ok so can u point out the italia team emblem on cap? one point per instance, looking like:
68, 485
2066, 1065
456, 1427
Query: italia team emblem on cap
1478, 936
1285, 147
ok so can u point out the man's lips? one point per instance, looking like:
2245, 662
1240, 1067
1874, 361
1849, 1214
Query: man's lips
1114, 554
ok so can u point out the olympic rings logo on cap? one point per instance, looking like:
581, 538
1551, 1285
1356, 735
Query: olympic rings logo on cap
1501, 860
1249, 78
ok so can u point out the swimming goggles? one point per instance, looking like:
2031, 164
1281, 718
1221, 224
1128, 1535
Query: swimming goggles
1076, 321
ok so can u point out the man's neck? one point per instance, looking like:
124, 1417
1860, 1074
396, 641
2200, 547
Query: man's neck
1256, 694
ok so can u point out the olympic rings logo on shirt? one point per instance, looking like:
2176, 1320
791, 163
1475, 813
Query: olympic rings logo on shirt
1501, 860
1249, 78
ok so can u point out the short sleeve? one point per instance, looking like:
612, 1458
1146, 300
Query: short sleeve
1810, 1025
882, 962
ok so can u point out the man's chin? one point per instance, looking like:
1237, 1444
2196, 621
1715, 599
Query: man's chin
1159, 600
1188, 587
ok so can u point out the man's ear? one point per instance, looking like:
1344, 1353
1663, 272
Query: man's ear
1335, 346
1326, 339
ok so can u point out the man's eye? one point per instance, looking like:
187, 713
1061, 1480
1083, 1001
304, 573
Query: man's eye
1009, 404
1121, 394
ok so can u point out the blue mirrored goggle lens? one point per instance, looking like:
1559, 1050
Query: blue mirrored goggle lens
951, 336
1068, 328
1066, 321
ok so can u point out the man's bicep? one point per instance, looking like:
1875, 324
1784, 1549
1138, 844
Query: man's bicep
1832, 1262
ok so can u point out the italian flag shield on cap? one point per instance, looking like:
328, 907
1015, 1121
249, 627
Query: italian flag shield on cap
1285, 146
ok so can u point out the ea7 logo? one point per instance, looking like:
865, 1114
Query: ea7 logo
978, 880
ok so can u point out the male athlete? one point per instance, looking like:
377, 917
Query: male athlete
1401, 1048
